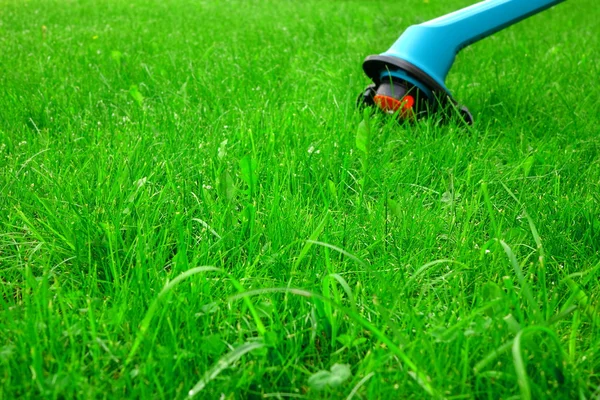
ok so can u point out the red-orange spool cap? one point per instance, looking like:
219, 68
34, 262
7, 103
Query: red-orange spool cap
390, 105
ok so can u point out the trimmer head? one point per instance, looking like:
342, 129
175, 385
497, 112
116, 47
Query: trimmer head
408, 79
404, 90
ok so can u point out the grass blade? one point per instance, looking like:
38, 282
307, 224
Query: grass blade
426, 267
519, 363
223, 363
309, 243
145, 324
359, 385
533, 306
414, 371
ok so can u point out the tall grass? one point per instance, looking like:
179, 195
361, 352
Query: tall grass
191, 205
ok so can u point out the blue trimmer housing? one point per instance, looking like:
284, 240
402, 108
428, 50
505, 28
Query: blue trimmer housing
408, 79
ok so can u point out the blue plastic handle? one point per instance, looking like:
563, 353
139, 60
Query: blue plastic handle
433, 45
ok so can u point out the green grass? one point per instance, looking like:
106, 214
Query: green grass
190, 200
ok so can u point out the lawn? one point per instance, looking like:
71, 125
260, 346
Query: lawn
192, 205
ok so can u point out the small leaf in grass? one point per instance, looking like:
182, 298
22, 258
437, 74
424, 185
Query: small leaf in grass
345, 340
449, 199
265, 308
338, 374
226, 187
442, 334
513, 325
248, 213
116, 56
363, 134
491, 292
271, 339
349, 341
527, 164
141, 182
6, 352
213, 345
478, 326
332, 189
222, 152
248, 168
209, 308
137, 96
394, 208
